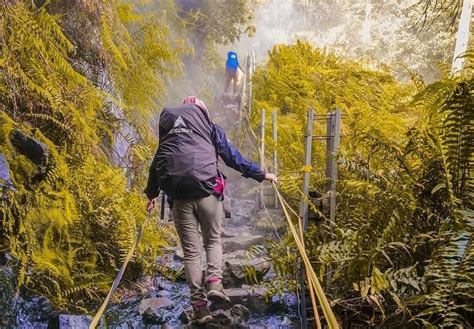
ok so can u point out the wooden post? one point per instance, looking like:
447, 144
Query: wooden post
334, 136
275, 154
251, 67
262, 154
304, 211
307, 168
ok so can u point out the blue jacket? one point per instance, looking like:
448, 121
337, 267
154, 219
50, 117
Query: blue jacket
232, 157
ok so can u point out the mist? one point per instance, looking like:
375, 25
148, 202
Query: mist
379, 34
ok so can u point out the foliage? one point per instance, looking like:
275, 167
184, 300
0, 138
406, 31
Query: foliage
71, 72
220, 22
379, 33
402, 239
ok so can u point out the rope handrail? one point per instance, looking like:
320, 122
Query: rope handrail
118, 278
328, 313
313, 281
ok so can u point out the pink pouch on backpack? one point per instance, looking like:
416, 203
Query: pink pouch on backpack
220, 185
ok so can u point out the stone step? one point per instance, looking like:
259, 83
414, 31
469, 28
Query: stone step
241, 243
255, 299
232, 232
236, 271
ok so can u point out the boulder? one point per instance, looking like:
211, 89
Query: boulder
238, 254
232, 232
153, 304
235, 317
67, 321
253, 299
240, 315
156, 310
33, 149
238, 271
240, 243
163, 293
242, 212
34, 312
7, 294
5, 178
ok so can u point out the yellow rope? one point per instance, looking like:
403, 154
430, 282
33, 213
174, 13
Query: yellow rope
310, 285
96, 319
313, 282
328, 313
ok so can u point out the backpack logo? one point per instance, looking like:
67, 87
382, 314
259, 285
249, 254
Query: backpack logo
180, 127
179, 123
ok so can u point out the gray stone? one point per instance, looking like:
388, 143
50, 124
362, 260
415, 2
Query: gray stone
238, 271
238, 254
33, 149
153, 304
37, 309
66, 321
163, 293
7, 293
156, 310
240, 243
235, 317
240, 315
253, 299
163, 285
232, 232
242, 212
5, 178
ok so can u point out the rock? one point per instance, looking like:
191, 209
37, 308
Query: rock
33, 149
232, 232
35, 310
240, 242
253, 299
153, 304
235, 317
240, 315
238, 271
163, 293
163, 285
220, 319
242, 212
5, 178
238, 254
66, 321
7, 293
156, 310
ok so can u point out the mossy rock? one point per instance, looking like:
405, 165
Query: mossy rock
7, 293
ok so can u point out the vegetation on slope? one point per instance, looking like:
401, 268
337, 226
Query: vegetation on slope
72, 75
67, 70
401, 243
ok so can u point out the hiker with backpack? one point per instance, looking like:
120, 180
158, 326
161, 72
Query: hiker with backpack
185, 168
231, 71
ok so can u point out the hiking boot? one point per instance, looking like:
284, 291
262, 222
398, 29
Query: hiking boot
215, 291
202, 314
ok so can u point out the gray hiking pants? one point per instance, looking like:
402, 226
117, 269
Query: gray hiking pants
207, 212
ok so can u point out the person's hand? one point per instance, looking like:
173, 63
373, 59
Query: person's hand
271, 177
151, 204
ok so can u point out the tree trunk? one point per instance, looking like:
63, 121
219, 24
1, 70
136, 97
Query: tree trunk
462, 37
